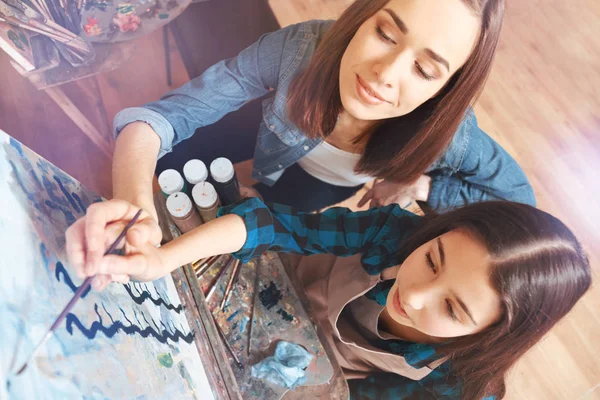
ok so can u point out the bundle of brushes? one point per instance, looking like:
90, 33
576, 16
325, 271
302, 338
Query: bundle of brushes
60, 20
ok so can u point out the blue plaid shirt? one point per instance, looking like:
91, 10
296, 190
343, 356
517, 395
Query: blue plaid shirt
376, 234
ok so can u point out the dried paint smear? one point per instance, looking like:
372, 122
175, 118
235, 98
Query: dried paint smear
270, 296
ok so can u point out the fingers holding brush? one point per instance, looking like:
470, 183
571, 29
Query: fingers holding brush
142, 262
88, 238
98, 217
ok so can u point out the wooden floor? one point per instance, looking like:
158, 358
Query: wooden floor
542, 103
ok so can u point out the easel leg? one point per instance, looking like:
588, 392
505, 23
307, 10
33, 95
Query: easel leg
80, 120
167, 54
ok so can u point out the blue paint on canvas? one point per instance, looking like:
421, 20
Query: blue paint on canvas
108, 345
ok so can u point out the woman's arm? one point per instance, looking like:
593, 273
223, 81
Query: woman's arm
146, 133
221, 89
249, 228
338, 231
134, 162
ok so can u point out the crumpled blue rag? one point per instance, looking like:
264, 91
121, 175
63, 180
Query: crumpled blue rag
286, 367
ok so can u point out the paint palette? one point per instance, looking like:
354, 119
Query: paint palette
110, 21
278, 315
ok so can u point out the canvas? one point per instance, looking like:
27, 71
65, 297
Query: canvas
130, 341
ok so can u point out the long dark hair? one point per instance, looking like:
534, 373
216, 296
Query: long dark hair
538, 268
398, 148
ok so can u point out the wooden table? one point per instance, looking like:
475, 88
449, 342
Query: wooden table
291, 320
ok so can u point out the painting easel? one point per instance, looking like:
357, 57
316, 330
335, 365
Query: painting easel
129, 341
108, 57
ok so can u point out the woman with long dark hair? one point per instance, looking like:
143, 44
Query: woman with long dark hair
414, 307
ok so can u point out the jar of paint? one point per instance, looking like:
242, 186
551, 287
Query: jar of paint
171, 181
226, 183
183, 212
195, 172
206, 200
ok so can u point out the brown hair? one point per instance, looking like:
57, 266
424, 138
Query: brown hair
539, 270
398, 148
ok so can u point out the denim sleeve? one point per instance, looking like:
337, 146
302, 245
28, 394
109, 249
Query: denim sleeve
221, 89
338, 230
481, 171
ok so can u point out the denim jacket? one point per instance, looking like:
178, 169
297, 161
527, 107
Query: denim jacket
473, 168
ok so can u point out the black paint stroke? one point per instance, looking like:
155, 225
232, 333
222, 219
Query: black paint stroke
145, 295
270, 296
110, 331
78, 200
67, 194
285, 315
60, 270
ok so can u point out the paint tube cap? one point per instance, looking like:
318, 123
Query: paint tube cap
222, 170
205, 195
195, 171
170, 181
179, 204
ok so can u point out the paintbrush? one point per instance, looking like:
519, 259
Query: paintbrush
205, 267
214, 284
14, 22
237, 360
201, 266
78, 294
26, 9
196, 264
42, 8
234, 274
254, 295
50, 29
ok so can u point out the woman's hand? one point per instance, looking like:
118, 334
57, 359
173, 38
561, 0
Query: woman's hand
385, 192
89, 237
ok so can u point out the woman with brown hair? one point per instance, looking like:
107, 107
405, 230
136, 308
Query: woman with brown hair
382, 93
414, 308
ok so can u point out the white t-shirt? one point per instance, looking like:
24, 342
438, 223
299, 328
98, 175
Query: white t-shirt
332, 165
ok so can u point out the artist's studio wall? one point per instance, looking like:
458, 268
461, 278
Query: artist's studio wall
130, 341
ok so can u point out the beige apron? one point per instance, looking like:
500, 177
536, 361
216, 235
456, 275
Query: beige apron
331, 283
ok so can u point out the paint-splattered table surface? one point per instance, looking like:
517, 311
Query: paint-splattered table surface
281, 312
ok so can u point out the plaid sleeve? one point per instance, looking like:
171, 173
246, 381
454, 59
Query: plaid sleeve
436, 385
338, 231
260, 232
392, 386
